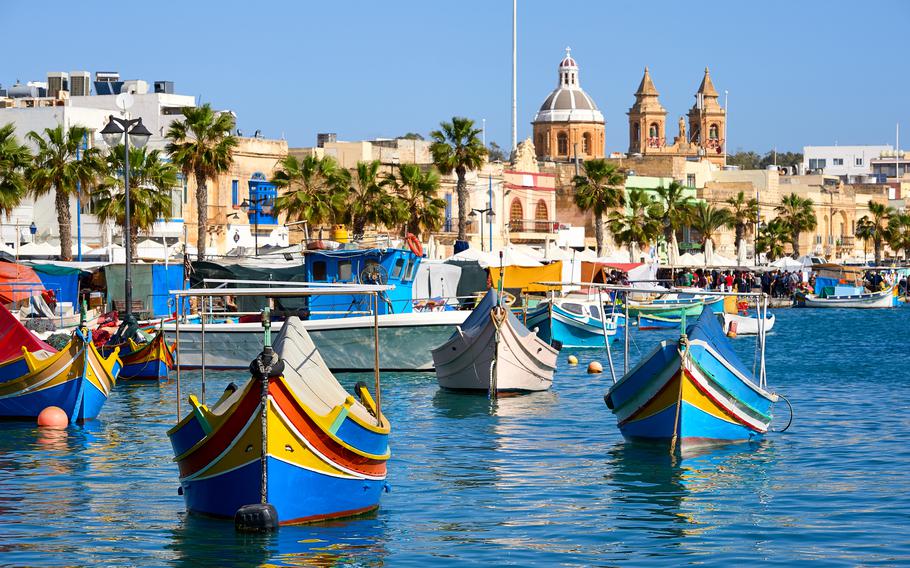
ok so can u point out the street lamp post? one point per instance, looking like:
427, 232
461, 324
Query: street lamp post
490, 216
258, 206
126, 130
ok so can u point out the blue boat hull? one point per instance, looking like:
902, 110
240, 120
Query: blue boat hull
691, 393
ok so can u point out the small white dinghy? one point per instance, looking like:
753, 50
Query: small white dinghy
493, 351
745, 325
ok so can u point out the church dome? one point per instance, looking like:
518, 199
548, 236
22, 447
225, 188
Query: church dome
568, 102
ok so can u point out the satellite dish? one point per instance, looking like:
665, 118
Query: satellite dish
124, 101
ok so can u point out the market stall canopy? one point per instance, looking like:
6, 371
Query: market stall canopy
787, 263
512, 256
63, 280
39, 249
526, 277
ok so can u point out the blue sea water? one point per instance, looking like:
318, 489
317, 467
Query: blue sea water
542, 479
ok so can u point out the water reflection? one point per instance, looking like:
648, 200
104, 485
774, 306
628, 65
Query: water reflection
200, 541
649, 483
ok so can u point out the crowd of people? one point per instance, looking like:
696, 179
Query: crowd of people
775, 283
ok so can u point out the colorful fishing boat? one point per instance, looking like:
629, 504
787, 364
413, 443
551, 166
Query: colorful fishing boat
573, 322
77, 379
653, 321
493, 351
848, 297
150, 360
744, 324
672, 307
290, 445
692, 392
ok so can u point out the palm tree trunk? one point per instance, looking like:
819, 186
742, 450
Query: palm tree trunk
65, 224
202, 216
358, 225
794, 242
674, 246
462, 189
134, 240
877, 243
599, 232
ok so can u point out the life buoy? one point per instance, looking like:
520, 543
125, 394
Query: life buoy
414, 244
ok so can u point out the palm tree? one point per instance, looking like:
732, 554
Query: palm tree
202, 145
865, 231
55, 168
151, 182
457, 147
314, 189
15, 158
641, 225
676, 210
881, 213
798, 215
771, 238
744, 213
707, 220
367, 199
599, 190
899, 233
417, 191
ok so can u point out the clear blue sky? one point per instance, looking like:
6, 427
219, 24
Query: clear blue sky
798, 73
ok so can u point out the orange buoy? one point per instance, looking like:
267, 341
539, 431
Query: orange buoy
595, 367
573, 360
53, 417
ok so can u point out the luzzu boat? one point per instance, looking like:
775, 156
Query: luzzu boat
668, 307
692, 392
573, 322
848, 297
77, 379
325, 451
150, 360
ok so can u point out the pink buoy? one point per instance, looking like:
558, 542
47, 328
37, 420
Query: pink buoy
53, 417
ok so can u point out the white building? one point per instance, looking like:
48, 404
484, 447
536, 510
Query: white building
157, 110
850, 163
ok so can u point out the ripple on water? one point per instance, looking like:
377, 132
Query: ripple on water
537, 479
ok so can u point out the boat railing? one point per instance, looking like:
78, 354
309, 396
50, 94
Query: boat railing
373, 291
758, 371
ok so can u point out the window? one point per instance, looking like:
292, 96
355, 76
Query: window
562, 144
176, 203
636, 134
838, 161
574, 308
235, 191
540, 147
540, 217
319, 271
652, 130
858, 162
817, 163
344, 270
412, 270
595, 312
690, 180
713, 132
586, 143
516, 214
398, 269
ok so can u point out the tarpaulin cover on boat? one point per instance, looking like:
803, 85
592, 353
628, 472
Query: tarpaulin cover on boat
14, 336
435, 279
18, 282
230, 271
151, 283
63, 280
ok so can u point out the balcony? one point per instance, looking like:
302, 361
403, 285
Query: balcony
531, 230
